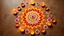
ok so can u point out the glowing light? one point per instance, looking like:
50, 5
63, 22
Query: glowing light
42, 30
42, 4
32, 32
54, 20
32, 2
21, 29
49, 23
17, 24
46, 8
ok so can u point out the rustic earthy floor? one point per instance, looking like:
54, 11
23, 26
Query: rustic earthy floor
7, 25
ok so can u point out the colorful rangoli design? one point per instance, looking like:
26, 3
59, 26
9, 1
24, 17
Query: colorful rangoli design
33, 20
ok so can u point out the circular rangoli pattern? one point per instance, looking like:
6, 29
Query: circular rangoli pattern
33, 20
32, 17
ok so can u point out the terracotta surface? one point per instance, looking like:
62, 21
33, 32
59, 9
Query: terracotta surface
7, 24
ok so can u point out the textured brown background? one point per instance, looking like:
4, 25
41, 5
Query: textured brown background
7, 25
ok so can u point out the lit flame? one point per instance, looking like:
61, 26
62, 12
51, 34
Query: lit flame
21, 29
32, 32
32, 2
43, 31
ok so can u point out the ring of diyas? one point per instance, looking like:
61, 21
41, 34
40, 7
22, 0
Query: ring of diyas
33, 20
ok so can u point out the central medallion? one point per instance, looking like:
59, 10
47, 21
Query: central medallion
32, 17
